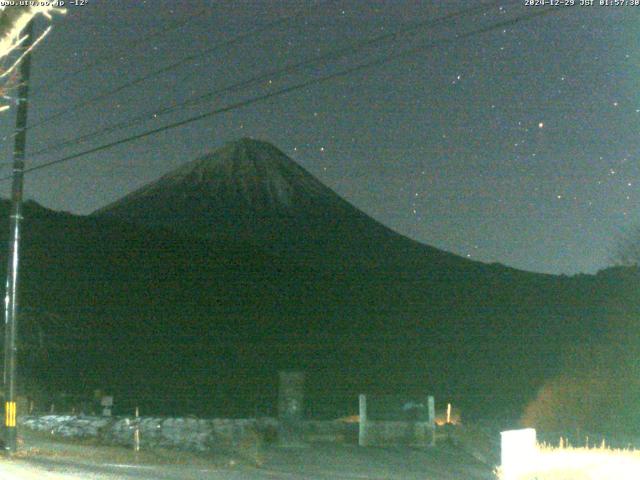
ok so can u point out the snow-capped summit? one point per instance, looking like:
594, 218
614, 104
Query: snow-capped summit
250, 189
248, 176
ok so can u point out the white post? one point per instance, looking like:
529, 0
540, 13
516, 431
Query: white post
290, 408
362, 431
518, 452
136, 433
431, 407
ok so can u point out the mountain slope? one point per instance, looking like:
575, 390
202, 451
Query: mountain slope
251, 190
147, 298
389, 302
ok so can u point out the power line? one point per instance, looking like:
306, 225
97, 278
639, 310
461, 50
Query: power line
115, 54
332, 54
290, 89
173, 66
287, 90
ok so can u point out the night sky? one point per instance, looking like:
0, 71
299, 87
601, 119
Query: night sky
518, 146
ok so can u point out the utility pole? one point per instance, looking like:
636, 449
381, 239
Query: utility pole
11, 298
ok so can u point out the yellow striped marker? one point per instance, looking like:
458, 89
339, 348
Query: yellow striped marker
10, 414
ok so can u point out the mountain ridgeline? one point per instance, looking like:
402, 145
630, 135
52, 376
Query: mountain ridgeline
188, 295
249, 190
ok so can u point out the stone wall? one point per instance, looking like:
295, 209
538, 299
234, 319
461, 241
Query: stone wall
202, 435
193, 434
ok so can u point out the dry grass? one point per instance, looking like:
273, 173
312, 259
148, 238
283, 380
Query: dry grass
585, 463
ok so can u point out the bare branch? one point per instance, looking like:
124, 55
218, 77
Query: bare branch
13, 21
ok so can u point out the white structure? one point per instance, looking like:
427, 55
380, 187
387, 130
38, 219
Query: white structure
362, 421
518, 451
431, 405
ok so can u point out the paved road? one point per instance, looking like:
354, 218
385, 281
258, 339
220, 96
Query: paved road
43, 470
57, 470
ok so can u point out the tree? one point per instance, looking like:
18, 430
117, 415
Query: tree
627, 249
597, 391
13, 21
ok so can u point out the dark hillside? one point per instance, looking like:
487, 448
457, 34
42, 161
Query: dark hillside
176, 319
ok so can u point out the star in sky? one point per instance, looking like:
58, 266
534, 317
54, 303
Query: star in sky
488, 130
